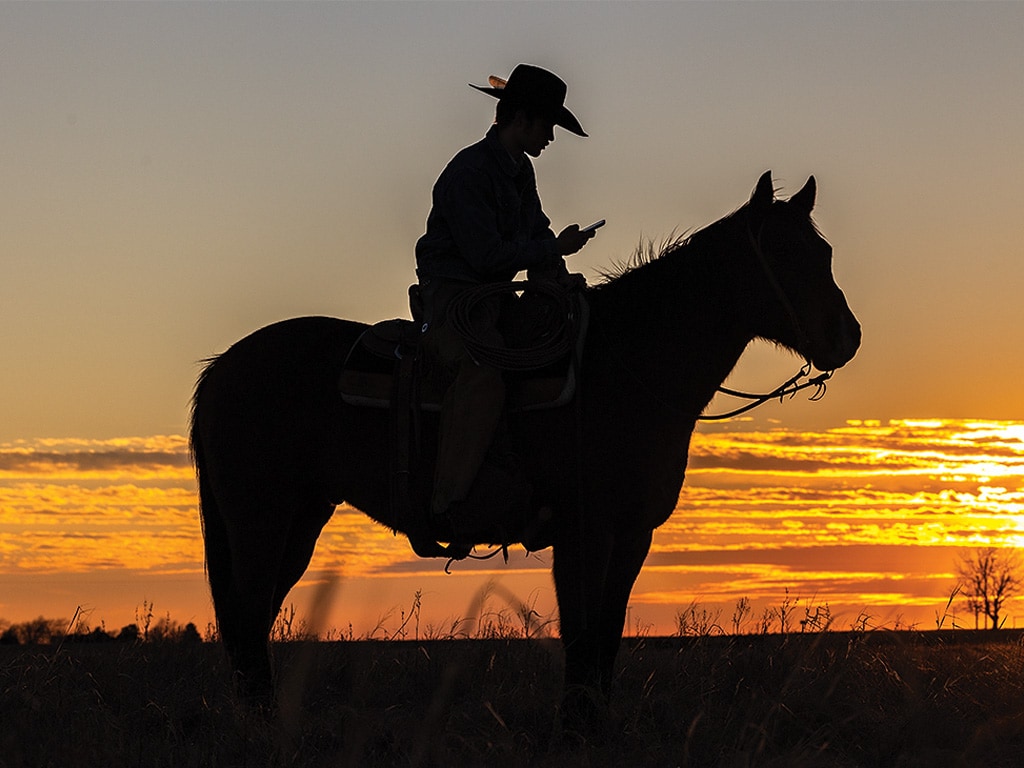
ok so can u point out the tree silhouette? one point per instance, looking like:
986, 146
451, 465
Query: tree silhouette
989, 578
38, 631
129, 634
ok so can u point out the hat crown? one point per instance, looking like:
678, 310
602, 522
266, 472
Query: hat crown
536, 86
537, 89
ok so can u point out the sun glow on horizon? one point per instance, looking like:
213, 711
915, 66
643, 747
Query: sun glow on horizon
761, 511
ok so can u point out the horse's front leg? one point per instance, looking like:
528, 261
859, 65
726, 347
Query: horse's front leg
626, 560
581, 559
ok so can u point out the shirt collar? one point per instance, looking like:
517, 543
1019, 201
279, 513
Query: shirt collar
509, 162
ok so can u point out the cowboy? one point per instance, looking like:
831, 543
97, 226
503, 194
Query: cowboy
485, 225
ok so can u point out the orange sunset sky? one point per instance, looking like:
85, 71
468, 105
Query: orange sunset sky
178, 175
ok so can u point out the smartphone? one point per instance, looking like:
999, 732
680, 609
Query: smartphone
592, 227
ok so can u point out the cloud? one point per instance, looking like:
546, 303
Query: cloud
899, 446
142, 457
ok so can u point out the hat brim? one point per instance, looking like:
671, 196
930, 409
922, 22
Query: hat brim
561, 117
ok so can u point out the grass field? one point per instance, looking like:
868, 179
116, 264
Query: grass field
929, 699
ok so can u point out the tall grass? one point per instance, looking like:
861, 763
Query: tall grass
814, 695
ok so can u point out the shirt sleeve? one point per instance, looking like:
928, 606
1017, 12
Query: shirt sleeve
468, 199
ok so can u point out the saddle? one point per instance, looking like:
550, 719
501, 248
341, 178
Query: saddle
389, 351
386, 368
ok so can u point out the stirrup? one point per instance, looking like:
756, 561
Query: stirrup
427, 547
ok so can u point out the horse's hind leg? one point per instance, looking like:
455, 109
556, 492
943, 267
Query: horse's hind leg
249, 658
269, 553
298, 550
245, 608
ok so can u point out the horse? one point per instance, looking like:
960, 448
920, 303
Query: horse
276, 449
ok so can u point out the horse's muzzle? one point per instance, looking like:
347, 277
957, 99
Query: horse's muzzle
842, 348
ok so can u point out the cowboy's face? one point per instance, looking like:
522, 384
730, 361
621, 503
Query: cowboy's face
537, 133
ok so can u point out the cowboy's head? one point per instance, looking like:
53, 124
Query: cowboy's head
536, 98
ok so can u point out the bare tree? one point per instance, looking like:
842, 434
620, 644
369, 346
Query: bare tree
989, 577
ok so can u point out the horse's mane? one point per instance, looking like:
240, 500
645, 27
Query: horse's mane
650, 252
647, 251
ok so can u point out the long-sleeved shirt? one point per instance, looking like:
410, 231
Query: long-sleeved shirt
486, 222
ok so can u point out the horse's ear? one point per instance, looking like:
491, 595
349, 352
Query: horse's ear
764, 193
803, 200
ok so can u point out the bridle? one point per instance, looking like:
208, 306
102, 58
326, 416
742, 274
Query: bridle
791, 386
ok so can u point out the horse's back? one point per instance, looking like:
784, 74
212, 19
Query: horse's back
326, 339
264, 392
281, 355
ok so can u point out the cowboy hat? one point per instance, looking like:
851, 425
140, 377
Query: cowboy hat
537, 89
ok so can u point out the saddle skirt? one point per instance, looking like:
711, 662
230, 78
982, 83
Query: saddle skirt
376, 361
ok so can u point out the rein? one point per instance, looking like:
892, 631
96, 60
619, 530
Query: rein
787, 389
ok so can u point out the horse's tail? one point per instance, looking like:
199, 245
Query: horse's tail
215, 535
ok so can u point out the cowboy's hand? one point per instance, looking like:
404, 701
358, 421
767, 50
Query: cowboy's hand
572, 281
571, 239
546, 274
560, 276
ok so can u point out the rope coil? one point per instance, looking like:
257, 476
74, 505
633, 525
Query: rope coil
552, 346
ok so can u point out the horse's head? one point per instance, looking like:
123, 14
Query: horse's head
796, 299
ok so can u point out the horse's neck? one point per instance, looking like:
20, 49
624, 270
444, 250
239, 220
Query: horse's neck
680, 327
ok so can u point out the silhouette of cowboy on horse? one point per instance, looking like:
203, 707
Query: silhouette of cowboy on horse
485, 225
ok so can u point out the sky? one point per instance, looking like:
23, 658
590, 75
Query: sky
178, 175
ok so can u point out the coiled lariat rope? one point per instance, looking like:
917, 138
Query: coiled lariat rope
552, 346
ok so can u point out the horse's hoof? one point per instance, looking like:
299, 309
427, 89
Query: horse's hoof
256, 692
585, 713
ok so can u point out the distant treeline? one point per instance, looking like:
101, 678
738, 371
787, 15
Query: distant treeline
43, 631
